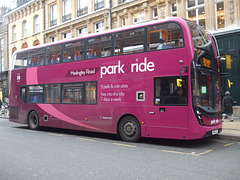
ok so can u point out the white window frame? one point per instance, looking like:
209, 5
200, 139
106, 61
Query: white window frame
217, 2
173, 13
53, 12
82, 4
155, 17
196, 8
100, 28
66, 9
66, 35
82, 31
140, 17
53, 39
24, 28
14, 33
36, 24
123, 21
2, 55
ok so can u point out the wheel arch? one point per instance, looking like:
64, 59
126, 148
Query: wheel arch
28, 115
125, 115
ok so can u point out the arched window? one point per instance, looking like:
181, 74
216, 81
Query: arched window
36, 42
14, 33
24, 29
14, 49
36, 24
25, 45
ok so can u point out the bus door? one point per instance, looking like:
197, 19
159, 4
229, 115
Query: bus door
23, 100
171, 106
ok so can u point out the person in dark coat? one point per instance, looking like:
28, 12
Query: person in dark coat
228, 105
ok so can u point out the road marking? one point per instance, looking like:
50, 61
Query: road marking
124, 145
30, 130
229, 144
205, 152
85, 139
189, 154
54, 134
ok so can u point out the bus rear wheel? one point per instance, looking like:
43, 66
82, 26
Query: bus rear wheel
33, 120
129, 129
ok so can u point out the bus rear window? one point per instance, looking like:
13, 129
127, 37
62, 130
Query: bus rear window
21, 60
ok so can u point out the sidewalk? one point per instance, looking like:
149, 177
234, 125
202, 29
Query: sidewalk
230, 130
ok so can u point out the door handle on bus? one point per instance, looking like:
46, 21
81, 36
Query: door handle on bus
162, 109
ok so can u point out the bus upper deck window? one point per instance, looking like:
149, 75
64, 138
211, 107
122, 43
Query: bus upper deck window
21, 60
165, 36
54, 54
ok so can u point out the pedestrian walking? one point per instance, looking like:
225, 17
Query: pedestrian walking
0, 104
227, 106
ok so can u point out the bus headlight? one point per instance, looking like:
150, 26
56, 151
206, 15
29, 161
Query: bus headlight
199, 117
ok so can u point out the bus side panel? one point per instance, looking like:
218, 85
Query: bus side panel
15, 102
197, 131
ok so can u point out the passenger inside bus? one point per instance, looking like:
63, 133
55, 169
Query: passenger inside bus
42, 61
54, 59
90, 54
66, 57
34, 62
180, 93
163, 44
37, 99
77, 56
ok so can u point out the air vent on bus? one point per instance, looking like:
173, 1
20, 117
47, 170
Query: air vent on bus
13, 112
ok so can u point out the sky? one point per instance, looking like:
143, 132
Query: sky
5, 2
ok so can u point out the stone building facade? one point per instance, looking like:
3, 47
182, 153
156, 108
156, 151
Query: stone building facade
25, 26
60, 19
3, 54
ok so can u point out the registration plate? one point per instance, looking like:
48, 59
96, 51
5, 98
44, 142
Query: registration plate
215, 132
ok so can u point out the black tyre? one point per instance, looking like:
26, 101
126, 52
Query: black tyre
129, 129
33, 120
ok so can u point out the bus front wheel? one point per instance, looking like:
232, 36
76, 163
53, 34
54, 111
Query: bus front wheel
33, 120
129, 129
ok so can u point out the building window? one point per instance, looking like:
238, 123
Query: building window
155, 13
36, 25
82, 31
66, 10
2, 54
138, 17
82, 7
174, 9
53, 15
99, 27
196, 12
24, 29
14, 33
67, 35
99, 4
220, 14
53, 39
121, 1
123, 21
